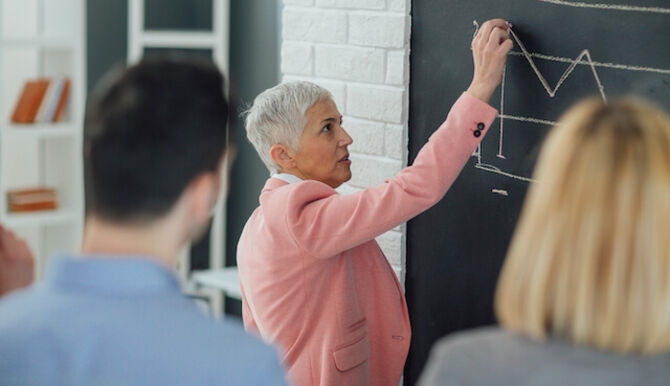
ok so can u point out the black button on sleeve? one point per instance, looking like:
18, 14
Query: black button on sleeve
477, 133
481, 126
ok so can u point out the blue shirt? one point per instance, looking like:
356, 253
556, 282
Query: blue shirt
122, 322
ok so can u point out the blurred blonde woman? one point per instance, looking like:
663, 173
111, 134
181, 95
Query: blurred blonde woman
584, 295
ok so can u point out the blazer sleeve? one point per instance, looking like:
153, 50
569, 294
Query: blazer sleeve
323, 223
247, 315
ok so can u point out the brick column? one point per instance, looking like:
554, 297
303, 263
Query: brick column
359, 50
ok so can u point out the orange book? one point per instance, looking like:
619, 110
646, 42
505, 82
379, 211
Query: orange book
30, 200
30, 101
63, 100
46, 100
33, 207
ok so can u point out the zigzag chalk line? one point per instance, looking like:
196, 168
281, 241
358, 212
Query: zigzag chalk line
615, 7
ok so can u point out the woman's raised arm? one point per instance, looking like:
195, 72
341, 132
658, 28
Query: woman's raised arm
323, 223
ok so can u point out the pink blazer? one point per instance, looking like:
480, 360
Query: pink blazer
314, 280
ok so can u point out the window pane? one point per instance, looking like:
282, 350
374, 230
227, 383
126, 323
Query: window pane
178, 52
186, 15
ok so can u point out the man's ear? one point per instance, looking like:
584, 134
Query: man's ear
204, 190
226, 165
283, 155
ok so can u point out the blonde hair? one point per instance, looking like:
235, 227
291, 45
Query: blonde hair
590, 259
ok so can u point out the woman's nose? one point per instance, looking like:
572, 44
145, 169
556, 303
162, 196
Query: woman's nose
345, 139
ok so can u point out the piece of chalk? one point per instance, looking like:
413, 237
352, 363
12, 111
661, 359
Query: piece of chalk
509, 24
500, 192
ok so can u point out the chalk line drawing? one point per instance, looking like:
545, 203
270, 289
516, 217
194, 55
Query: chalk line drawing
550, 91
545, 84
493, 169
571, 67
528, 119
613, 7
501, 115
500, 192
584, 58
616, 66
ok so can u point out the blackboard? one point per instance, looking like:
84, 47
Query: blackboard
455, 249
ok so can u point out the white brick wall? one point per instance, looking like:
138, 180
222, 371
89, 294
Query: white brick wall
352, 4
297, 58
300, 2
377, 103
350, 63
373, 29
313, 25
359, 50
369, 136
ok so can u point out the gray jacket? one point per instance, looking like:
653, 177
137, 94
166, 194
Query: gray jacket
492, 356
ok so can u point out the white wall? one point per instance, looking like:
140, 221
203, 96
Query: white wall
359, 50
43, 38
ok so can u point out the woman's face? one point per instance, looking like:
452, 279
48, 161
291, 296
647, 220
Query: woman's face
323, 154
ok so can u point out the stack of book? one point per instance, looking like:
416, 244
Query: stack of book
32, 200
41, 101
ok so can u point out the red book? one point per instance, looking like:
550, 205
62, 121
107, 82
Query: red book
30, 101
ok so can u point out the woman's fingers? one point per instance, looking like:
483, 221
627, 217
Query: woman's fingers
505, 47
497, 37
499, 23
489, 50
486, 28
491, 35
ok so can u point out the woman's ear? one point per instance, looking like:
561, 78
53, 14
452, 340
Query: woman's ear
283, 155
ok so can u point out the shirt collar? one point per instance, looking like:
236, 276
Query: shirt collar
290, 178
111, 274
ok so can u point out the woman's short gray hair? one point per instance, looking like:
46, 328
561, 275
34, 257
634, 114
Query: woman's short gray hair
278, 116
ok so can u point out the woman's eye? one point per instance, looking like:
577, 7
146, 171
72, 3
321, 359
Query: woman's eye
325, 128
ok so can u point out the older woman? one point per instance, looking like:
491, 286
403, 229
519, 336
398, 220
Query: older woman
314, 280
584, 295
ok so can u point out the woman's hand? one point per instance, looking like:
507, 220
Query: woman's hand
16, 262
489, 52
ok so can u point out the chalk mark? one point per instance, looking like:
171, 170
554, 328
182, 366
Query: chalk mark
596, 64
478, 153
568, 71
528, 119
493, 169
613, 7
501, 192
573, 63
543, 81
501, 116
550, 91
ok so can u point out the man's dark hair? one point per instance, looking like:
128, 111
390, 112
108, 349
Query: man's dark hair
151, 129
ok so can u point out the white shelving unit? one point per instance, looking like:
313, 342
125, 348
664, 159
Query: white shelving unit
43, 38
216, 41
